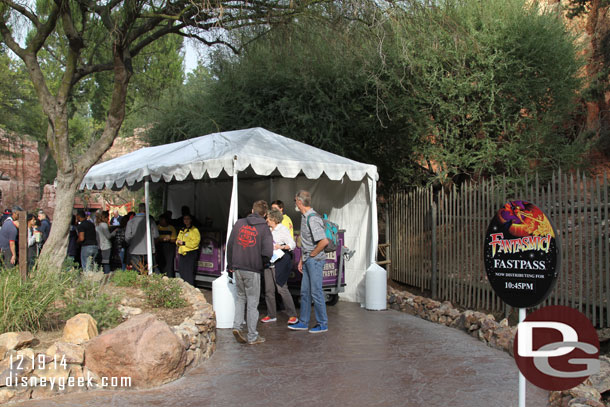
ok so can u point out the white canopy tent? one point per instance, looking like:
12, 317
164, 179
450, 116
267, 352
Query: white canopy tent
203, 173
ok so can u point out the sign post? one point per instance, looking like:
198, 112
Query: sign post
522, 259
521, 377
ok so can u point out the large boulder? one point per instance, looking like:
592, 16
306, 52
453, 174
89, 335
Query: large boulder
79, 329
14, 340
142, 348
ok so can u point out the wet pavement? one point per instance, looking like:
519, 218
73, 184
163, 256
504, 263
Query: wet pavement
368, 358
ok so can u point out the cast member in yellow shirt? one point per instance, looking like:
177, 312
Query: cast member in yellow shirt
188, 249
286, 221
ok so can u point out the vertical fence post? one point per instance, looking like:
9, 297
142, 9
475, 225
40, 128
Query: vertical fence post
388, 254
434, 265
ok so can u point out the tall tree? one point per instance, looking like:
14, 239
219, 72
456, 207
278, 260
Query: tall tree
309, 81
94, 36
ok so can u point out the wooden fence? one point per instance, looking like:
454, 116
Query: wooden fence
437, 240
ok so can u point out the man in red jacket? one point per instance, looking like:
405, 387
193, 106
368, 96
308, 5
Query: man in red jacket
249, 248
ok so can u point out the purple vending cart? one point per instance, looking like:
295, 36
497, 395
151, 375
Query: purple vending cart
211, 257
333, 282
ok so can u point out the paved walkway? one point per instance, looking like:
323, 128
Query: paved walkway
368, 358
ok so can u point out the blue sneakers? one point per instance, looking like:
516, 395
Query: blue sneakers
299, 326
318, 329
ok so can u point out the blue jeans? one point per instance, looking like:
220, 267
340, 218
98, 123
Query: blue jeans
87, 257
122, 256
311, 287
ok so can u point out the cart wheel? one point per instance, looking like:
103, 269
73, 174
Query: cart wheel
332, 299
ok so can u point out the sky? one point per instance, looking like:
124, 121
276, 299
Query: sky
191, 53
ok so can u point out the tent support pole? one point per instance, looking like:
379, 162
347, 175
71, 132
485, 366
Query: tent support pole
233, 208
271, 191
374, 237
148, 242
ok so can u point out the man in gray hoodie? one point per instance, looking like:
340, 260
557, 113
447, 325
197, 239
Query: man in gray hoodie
249, 248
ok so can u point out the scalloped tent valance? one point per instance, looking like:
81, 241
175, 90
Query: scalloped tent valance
263, 151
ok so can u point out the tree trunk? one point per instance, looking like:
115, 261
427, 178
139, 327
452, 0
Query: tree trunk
55, 249
69, 175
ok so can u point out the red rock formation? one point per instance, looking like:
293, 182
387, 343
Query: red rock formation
125, 145
47, 203
121, 146
19, 171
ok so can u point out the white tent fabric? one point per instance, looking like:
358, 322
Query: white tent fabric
266, 166
257, 148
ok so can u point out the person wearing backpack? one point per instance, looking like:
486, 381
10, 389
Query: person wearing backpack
311, 265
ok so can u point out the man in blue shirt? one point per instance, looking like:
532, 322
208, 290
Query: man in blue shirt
311, 265
8, 240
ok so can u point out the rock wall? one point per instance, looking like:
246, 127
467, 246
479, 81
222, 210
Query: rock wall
120, 146
47, 203
19, 171
126, 145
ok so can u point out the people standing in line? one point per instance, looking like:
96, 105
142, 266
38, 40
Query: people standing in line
116, 218
311, 265
87, 239
286, 221
8, 239
120, 244
188, 250
72, 241
249, 248
277, 275
103, 239
34, 239
166, 250
45, 226
135, 236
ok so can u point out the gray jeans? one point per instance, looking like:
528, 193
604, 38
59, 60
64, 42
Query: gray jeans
248, 292
270, 286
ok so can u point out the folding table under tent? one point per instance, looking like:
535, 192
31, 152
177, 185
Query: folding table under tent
220, 175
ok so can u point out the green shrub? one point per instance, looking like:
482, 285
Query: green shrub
26, 303
165, 293
86, 297
494, 86
125, 278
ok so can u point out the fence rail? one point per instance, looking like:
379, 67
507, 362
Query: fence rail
437, 240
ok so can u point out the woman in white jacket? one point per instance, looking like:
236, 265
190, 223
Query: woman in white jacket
277, 275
